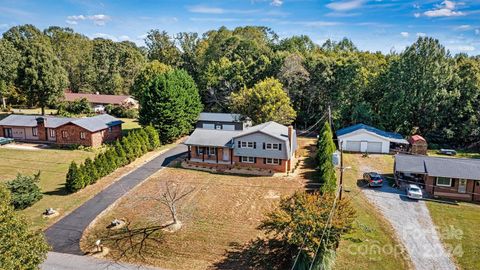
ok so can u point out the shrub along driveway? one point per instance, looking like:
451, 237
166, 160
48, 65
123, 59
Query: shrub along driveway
64, 236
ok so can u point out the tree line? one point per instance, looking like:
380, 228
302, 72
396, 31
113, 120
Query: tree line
423, 89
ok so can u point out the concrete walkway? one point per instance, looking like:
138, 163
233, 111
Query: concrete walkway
64, 236
62, 261
414, 227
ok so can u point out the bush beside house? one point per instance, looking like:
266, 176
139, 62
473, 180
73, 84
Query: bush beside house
123, 152
25, 191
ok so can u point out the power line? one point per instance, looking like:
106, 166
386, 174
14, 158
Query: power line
330, 218
312, 126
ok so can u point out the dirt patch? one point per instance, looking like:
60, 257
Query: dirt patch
26, 146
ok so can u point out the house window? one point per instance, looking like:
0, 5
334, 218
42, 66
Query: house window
110, 129
34, 131
272, 146
64, 134
272, 161
82, 135
247, 159
218, 126
248, 144
444, 182
52, 133
199, 151
212, 151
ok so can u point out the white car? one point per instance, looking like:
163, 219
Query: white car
414, 192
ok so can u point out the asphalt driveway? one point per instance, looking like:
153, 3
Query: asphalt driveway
64, 236
414, 227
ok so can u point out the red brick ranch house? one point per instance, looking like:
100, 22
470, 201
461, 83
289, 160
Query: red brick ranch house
270, 146
453, 178
87, 131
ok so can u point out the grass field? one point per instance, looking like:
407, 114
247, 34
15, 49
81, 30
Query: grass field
357, 250
458, 226
53, 165
460, 154
129, 124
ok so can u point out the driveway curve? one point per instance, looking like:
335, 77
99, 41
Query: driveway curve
64, 236
414, 227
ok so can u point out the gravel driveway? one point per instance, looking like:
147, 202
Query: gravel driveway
414, 227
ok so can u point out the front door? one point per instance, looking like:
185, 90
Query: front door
462, 186
226, 154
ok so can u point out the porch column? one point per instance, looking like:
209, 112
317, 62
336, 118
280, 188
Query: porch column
189, 153
203, 154
231, 156
216, 153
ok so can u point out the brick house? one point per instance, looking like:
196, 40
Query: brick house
453, 178
269, 146
98, 101
87, 131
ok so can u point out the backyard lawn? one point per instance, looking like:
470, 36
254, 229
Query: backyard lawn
458, 226
358, 249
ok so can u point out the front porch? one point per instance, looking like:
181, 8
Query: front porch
210, 154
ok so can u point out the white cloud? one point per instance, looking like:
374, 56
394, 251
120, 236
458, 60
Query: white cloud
463, 27
206, 10
420, 34
345, 5
417, 15
446, 9
98, 19
105, 36
404, 34
416, 6
463, 48
276, 3
123, 38
477, 31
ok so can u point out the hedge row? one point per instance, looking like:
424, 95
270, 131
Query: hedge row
123, 152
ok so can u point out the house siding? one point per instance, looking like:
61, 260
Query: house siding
259, 139
282, 167
364, 137
237, 125
452, 191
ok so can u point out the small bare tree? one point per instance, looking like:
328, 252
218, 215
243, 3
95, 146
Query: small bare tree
172, 195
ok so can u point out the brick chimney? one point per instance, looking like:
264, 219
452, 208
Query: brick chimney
41, 129
290, 142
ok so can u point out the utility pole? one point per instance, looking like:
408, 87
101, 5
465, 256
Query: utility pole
341, 171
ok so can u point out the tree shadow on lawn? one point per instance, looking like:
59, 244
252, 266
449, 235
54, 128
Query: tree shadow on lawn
262, 254
60, 191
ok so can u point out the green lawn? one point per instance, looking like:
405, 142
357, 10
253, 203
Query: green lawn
53, 164
458, 226
130, 124
359, 249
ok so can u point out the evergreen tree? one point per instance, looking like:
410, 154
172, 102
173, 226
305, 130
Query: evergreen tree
171, 103
128, 148
111, 159
82, 178
153, 137
25, 191
20, 248
326, 148
121, 156
71, 177
91, 171
100, 165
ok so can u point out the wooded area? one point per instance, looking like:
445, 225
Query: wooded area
423, 89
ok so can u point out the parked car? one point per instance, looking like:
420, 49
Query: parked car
374, 179
448, 152
414, 192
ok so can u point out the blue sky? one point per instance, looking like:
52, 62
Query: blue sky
383, 25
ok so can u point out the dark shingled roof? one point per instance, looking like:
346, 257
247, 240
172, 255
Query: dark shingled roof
219, 117
463, 168
92, 124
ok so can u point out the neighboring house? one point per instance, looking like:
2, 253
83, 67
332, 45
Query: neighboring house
222, 121
367, 139
418, 145
454, 178
87, 131
98, 101
269, 146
